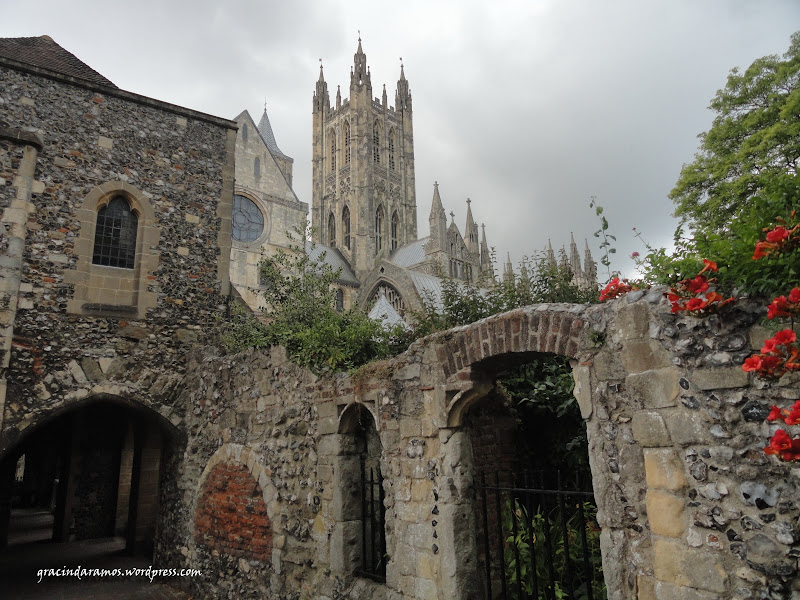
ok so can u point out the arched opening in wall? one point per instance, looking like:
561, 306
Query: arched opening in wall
536, 529
360, 509
90, 488
232, 517
346, 227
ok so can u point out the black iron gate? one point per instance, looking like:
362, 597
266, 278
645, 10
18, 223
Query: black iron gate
373, 526
538, 540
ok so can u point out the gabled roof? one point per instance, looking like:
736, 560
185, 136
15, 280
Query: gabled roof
333, 258
384, 312
44, 53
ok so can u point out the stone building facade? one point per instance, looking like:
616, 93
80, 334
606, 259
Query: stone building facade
116, 237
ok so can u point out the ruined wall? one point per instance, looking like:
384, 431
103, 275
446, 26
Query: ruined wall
689, 505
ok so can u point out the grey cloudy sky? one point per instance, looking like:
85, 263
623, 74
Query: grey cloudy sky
528, 108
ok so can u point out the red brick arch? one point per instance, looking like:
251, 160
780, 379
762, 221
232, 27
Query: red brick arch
231, 514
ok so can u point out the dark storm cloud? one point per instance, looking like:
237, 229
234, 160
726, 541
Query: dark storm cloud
528, 108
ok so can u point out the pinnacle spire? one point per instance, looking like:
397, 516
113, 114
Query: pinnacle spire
436, 205
360, 73
265, 129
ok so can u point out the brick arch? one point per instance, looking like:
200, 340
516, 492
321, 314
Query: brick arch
469, 355
236, 463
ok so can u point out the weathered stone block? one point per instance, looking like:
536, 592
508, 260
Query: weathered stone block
583, 390
645, 587
649, 429
632, 320
668, 591
687, 427
657, 388
663, 469
644, 355
666, 513
719, 377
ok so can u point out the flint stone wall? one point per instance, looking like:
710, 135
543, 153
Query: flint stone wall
689, 505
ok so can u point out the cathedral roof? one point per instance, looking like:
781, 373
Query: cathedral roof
333, 258
265, 129
384, 312
44, 53
410, 254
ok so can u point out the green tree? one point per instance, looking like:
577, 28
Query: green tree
755, 137
301, 315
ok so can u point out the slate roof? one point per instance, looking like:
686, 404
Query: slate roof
410, 254
44, 53
384, 312
335, 259
265, 129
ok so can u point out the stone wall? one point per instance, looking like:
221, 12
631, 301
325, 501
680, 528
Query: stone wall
82, 330
689, 505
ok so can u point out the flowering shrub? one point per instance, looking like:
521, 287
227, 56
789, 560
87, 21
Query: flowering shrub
780, 239
783, 306
615, 289
692, 295
778, 356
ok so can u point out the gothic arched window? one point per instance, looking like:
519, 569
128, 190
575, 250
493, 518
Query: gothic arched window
347, 142
376, 143
394, 228
346, 227
244, 131
115, 235
331, 230
332, 135
379, 229
257, 167
339, 300
391, 149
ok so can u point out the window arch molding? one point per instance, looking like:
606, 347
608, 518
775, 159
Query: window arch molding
105, 290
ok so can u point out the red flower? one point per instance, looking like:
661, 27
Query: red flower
695, 304
762, 249
698, 285
778, 308
782, 444
615, 289
794, 295
775, 414
777, 235
709, 265
793, 415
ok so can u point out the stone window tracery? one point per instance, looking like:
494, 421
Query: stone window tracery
392, 296
347, 142
247, 219
115, 235
394, 228
376, 143
346, 227
332, 230
379, 229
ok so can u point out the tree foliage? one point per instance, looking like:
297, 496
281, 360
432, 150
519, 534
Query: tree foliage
754, 138
301, 315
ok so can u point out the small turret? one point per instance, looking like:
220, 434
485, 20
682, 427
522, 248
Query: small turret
471, 232
508, 272
321, 100
486, 256
551, 256
383, 99
589, 266
359, 75
338, 97
437, 222
402, 97
574, 258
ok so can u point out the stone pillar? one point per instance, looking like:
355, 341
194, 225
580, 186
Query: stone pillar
13, 228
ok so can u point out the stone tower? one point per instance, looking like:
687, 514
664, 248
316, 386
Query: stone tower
363, 194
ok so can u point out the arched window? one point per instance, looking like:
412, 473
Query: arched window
347, 142
339, 300
244, 131
257, 167
379, 229
391, 149
332, 135
376, 143
346, 227
332, 230
395, 226
115, 235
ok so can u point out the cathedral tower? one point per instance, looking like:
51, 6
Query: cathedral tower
363, 194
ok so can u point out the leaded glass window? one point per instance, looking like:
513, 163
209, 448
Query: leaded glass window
346, 226
248, 220
395, 227
115, 235
378, 229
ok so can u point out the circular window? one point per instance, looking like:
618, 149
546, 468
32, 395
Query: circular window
248, 220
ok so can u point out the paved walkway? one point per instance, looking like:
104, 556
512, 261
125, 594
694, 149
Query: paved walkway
20, 562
